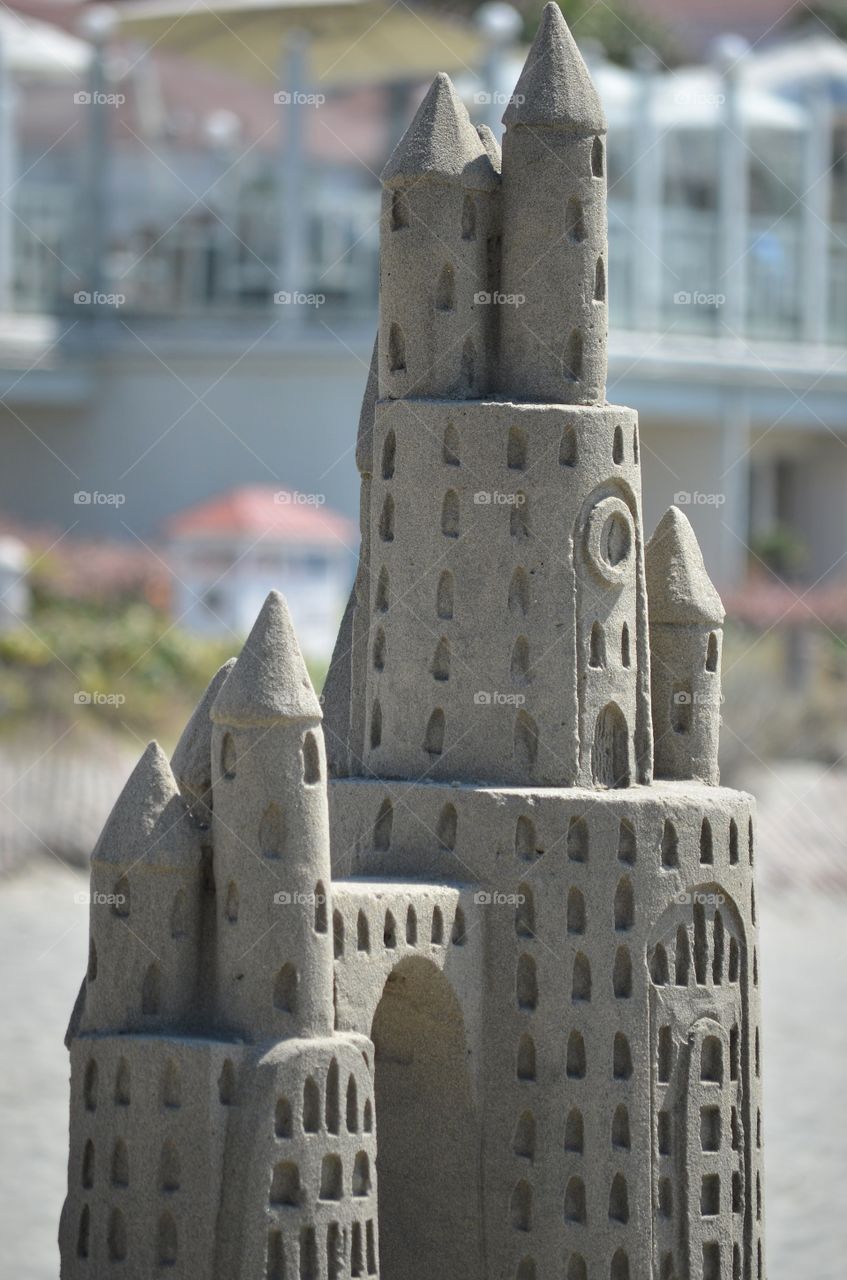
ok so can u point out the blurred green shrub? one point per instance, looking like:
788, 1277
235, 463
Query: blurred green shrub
141, 672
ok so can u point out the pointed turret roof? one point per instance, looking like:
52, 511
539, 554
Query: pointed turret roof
679, 590
149, 822
554, 87
191, 761
492, 147
365, 433
269, 682
441, 143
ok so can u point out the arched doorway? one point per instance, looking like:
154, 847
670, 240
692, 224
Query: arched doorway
610, 751
427, 1130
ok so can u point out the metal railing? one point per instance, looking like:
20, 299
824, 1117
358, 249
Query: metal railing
210, 266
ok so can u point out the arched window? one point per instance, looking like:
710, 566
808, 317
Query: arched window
445, 294
396, 349
311, 1106
285, 989
311, 759
331, 1178
285, 1184
389, 453
575, 1210
151, 990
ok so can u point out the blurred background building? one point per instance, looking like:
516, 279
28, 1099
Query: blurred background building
189, 199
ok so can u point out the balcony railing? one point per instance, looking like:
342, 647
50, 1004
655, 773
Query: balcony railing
206, 266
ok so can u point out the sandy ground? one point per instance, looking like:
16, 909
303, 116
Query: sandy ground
43, 939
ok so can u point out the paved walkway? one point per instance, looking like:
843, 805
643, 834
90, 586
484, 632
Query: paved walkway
43, 944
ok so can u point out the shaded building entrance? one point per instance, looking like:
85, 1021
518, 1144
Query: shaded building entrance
430, 1221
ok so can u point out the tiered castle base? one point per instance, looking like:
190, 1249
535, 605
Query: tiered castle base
608, 1058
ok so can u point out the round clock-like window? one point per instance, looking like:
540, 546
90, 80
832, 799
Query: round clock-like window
610, 540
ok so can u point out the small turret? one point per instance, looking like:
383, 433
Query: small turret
438, 219
553, 345
192, 758
686, 621
145, 907
271, 840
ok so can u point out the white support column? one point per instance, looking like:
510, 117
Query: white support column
763, 496
734, 485
96, 24
291, 268
733, 201
8, 167
817, 212
648, 190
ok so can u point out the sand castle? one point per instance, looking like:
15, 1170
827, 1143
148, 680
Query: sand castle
456, 975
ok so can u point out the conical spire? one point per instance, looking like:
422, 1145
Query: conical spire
269, 682
492, 147
679, 590
365, 433
149, 822
441, 143
554, 87
191, 761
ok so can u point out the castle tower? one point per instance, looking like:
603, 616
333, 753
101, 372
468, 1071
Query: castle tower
191, 762
500, 624
686, 630
192, 767
553, 346
145, 908
438, 238
270, 836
